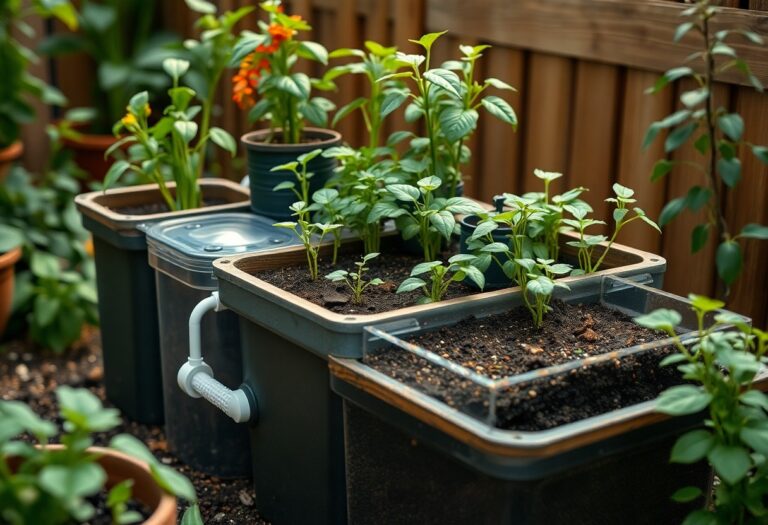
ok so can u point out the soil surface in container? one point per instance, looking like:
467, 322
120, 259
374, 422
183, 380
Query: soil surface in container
393, 269
507, 344
151, 208
103, 515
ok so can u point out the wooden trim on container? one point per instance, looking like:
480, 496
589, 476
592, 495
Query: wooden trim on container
636, 33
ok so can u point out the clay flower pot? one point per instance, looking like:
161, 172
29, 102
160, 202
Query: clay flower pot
8, 156
7, 260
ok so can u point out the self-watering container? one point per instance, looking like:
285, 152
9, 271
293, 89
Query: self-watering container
182, 252
418, 456
297, 445
126, 285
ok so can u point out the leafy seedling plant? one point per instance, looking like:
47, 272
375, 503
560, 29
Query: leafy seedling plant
52, 486
354, 280
717, 134
419, 213
306, 232
441, 277
539, 285
300, 171
721, 368
329, 208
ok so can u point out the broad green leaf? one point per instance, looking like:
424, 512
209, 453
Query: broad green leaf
755, 435
443, 222
754, 231
682, 400
44, 265
132, 446
186, 129
697, 197
173, 482
45, 309
70, 482
410, 284
201, 6
755, 398
313, 51
285, 185
730, 171
404, 192
495, 247
457, 123
761, 152
728, 259
224, 140
445, 79
679, 136
671, 210
483, 229
705, 304
500, 108
10, 238
691, 99
430, 183
681, 30
686, 494
192, 516
732, 125
392, 100
499, 84
661, 319
427, 40
175, 67
699, 237
661, 168
730, 462
424, 267
701, 517
475, 275
306, 158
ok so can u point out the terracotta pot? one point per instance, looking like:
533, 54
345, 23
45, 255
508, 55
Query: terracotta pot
7, 260
8, 156
120, 467
88, 152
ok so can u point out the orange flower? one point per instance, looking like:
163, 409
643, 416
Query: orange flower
246, 82
280, 33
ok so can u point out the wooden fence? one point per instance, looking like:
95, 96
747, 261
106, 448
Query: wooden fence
581, 67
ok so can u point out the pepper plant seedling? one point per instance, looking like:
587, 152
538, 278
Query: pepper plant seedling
305, 231
539, 284
459, 267
299, 169
354, 280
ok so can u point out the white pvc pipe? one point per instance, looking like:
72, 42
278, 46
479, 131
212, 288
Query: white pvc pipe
195, 377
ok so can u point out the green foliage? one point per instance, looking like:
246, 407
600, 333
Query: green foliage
52, 486
18, 85
355, 280
299, 170
720, 368
307, 232
716, 133
441, 276
55, 292
171, 148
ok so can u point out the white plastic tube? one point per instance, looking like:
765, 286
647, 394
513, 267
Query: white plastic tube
195, 377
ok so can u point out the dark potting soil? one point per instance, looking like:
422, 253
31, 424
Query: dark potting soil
159, 207
31, 375
103, 515
393, 269
507, 344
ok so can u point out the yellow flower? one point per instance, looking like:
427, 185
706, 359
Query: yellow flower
129, 120
147, 110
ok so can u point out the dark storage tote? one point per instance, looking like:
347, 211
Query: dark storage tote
126, 286
182, 252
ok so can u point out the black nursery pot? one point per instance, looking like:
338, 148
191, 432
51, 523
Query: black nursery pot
494, 275
263, 156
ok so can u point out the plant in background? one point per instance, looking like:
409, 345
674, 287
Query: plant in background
55, 291
441, 276
717, 135
449, 103
354, 280
127, 48
166, 150
421, 214
18, 84
299, 169
266, 61
720, 368
329, 208
52, 486
306, 231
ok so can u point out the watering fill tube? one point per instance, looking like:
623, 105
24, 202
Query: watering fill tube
197, 333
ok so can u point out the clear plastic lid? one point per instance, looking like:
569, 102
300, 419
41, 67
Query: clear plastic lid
186, 248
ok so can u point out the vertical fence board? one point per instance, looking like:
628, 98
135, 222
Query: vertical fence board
548, 109
593, 133
408, 24
344, 34
499, 144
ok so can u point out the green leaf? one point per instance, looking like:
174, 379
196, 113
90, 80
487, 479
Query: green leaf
728, 259
483, 229
410, 284
732, 125
754, 231
427, 40
392, 100
691, 99
702, 144
186, 129
761, 152
730, 462
83, 409
443, 222
347, 109
288, 85
404, 192
682, 400
671, 210
699, 237
70, 482
499, 108
285, 185
224, 140
686, 494
424, 267
499, 84
201, 6
173, 482
445, 79
192, 516
697, 197
701, 517
661, 319
679, 136
44, 265
730, 171
132, 446
175, 67
755, 435
681, 30
705, 304
10, 238
661, 168
457, 123
313, 51
45, 310
754, 398
721, 48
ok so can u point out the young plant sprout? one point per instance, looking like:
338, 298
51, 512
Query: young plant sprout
305, 230
459, 267
539, 284
330, 208
355, 280
299, 169
587, 243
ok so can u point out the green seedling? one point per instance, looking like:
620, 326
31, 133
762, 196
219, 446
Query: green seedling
441, 276
329, 208
540, 284
300, 171
355, 280
306, 231
720, 368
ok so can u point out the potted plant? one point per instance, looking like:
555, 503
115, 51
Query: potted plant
171, 147
267, 84
127, 50
17, 83
490, 412
10, 252
68, 482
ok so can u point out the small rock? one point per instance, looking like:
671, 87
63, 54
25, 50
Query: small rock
96, 374
13, 356
166, 461
245, 498
533, 349
532, 393
335, 299
219, 517
589, 335
23, 372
